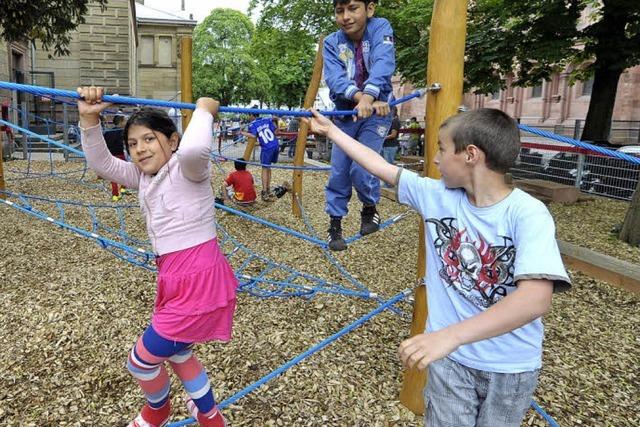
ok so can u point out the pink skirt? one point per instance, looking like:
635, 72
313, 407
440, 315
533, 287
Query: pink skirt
196, 295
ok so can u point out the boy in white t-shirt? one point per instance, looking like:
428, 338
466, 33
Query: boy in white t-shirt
492, 266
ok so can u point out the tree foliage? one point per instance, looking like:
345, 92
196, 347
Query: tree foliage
44, 20
526, 40
287, 59
410, 20
313, 17
223, 67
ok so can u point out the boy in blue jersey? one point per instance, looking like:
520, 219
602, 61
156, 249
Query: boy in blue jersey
359, 60
264, 130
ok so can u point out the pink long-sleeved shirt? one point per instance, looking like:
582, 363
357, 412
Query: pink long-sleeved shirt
178, 202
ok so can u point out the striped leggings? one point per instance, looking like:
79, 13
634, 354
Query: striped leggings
146, 364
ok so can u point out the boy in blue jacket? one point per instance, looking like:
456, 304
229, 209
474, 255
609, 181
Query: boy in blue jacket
359, 60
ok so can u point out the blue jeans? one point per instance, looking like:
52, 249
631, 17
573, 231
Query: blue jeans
456, 395
346, 173
389, 153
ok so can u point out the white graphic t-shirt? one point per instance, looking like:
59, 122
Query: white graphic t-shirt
475, 257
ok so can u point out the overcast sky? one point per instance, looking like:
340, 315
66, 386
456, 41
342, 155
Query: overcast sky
199, 8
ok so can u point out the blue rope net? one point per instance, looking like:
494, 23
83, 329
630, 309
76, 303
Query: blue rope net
259, 276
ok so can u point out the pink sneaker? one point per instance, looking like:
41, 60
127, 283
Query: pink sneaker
214, 420
150, 417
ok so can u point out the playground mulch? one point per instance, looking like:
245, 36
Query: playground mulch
595, 223
70, 311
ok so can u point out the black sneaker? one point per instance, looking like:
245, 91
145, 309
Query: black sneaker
281, 190
336, 242
369, 220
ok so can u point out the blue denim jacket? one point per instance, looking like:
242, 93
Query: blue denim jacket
379, 58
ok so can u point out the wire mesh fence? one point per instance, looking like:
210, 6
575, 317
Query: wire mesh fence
546, 159
623, 132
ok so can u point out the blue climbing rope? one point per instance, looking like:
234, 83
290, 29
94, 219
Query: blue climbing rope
294, 361
39, 90
581, 144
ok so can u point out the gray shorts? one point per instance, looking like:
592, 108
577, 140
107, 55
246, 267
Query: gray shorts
457, 396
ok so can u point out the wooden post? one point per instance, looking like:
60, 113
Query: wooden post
65, 134
303, 131
2, 186
445, 66
251, 143
185, 78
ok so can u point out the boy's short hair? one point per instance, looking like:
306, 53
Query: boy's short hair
366, 2
239, 164
491, 130
253, 114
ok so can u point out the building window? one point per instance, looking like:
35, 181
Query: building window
146, 50
165, 51
536, 91
587, 87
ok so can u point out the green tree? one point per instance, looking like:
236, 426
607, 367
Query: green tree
222, 63
287, 59
42, 20
598, 39
309, 16
410, 20
533, 39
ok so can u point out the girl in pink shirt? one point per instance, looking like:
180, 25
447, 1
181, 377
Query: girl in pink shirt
196, 287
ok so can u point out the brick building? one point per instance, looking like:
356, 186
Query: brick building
554, 105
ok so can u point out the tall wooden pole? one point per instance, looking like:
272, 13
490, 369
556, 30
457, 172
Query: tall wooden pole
445, 66
303, 130
251, 143
185, 78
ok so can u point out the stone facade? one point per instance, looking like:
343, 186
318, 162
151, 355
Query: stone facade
14, 56
102, 53
15, 63
159, 59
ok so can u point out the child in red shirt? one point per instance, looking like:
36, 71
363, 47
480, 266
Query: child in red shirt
239, 184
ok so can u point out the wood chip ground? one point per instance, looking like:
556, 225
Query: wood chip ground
70, 311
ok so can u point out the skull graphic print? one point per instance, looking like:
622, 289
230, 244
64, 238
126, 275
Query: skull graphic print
480, 272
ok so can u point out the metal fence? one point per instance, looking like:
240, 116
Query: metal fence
623, 132
542, 158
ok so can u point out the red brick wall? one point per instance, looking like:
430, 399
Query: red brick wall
559, 103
